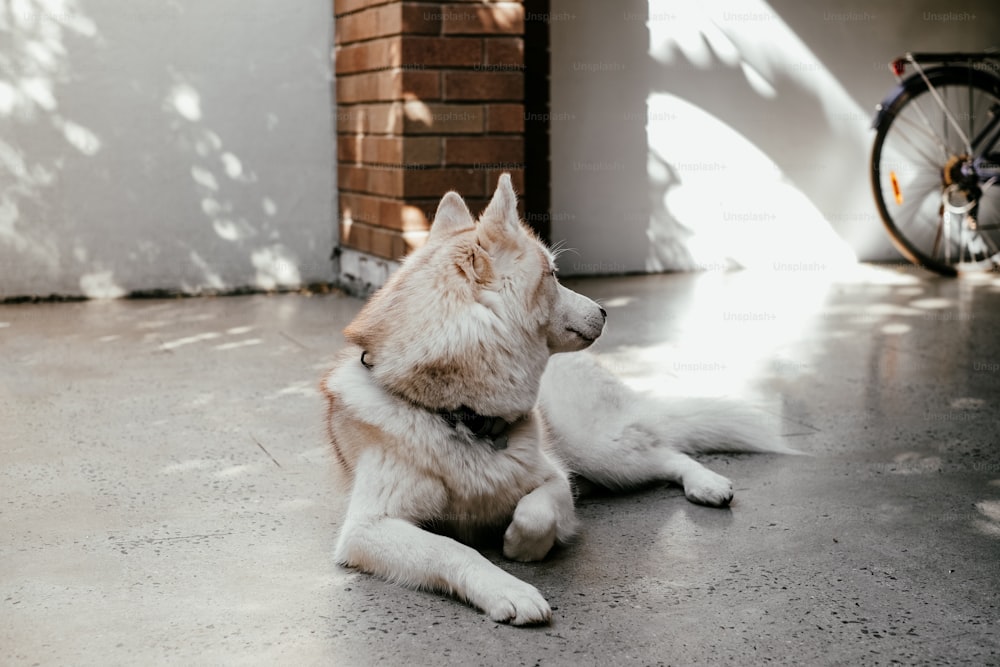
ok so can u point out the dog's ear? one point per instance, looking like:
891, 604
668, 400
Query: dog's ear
500, 219
452, 216
476, 264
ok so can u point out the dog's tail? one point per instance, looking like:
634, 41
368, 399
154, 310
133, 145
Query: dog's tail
709, 425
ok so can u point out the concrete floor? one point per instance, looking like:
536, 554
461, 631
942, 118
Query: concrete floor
166, 496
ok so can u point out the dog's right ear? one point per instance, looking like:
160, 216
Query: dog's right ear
452, 216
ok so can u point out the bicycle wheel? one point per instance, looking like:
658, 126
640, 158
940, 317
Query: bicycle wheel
935, 196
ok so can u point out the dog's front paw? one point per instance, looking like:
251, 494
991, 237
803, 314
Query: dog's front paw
531, 534
707, 488
519, 604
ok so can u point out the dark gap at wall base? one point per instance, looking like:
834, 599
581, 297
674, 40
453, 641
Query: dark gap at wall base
312, 289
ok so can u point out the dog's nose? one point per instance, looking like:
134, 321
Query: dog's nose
604, 313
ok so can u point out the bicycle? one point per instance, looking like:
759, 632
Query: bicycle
935, 161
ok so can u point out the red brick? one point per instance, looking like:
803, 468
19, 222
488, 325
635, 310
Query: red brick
422, 150
394, 182
395, 84
408, 52
378, 118
382, 150
435, 182
485, 19
355, 235
359, 207
388, 244
420, 18
505, 118
386, 182
499, 86
390, 19
421, 118
484, 152
504, 51
388, 212
369, 86
369, 23
377, 54
351, 119
349, 148
352, 177
341, 7
400, 150
442, 51
421, 85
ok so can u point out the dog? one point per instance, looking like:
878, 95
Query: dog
463, 406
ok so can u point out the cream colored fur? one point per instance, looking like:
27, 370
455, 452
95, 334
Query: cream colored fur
473, 319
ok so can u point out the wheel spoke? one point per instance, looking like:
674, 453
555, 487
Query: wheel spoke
921, 129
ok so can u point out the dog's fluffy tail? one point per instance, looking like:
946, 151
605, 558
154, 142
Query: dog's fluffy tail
591, 410
708, 425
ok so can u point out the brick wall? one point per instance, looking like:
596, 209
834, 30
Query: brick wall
430, 98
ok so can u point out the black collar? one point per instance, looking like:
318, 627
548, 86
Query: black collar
492, 429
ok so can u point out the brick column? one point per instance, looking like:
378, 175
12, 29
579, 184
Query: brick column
430, 98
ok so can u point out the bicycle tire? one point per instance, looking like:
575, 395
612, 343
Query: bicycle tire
913, 94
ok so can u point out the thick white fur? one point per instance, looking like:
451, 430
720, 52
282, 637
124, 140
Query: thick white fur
473, 319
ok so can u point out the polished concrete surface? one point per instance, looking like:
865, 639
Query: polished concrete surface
166, 496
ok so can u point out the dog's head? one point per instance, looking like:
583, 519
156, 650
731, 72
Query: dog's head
472, 316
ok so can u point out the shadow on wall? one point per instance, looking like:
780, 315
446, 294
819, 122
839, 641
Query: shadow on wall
143, 149
764, 144
754, 121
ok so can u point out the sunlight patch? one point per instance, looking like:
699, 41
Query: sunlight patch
232, 165
186, 101
276, 267
8, 98
189, 340
39, 91
931, 304
990, 523
190, 464
241, 343
81, 138
618, 301
896, 328
226, 229
204, 178
100, 285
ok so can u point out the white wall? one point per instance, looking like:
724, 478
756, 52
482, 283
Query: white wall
164, 144
721, 132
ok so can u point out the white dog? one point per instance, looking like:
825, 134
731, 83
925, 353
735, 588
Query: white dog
451, 420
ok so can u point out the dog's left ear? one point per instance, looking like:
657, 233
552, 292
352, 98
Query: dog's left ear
452, 216
500, 219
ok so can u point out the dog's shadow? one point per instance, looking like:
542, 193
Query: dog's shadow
653, 521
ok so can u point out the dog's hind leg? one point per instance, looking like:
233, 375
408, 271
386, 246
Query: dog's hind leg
631, 456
